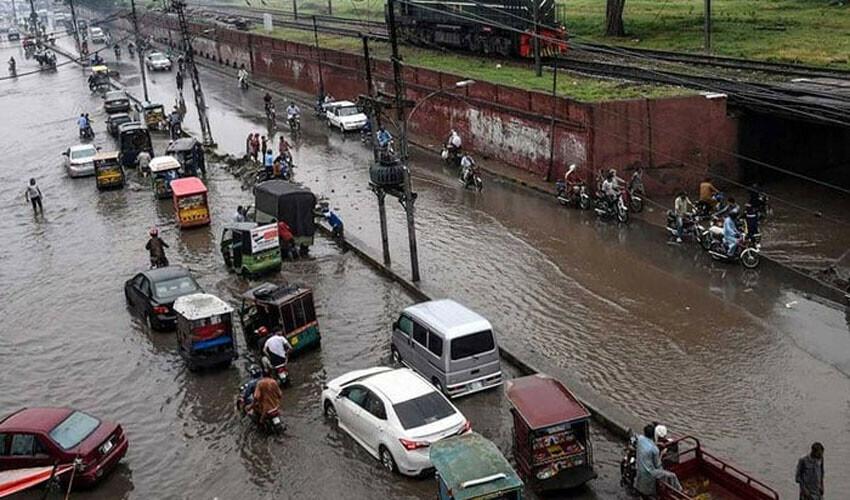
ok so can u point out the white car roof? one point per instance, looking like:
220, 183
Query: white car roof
84, 147
162, 163
339, 104
402, 384
449, 318
200, 305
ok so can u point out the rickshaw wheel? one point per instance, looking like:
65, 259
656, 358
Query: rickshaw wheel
387, 459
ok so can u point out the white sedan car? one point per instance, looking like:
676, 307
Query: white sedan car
157, 61
79, 160
345, 115
394, 414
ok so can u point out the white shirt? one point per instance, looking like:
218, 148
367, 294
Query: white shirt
278, 345
466, 162
292, 111
609, 187
454, 140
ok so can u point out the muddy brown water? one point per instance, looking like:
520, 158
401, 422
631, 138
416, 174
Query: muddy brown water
69, 339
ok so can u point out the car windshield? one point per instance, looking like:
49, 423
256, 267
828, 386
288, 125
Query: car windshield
115, 96
71, 431
158, 57
83, 153
349, 111
472, 344
424, 410
174, 287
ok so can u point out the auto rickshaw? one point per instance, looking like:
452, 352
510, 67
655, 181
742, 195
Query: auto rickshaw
204, 330
284, 201
552, 447
164, 169
108, 171
190, 202
470, 467
153, 116
133, 138
268, 309
99, 79
190, 153
250, 249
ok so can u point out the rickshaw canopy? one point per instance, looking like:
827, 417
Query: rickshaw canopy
163, 164
200, 305
182, 145
276, 295
471, 466
152, 106
543, 401
187, 186
99, 69
106, 157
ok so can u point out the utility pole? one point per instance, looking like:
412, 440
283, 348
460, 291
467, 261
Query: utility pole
552, 121
140, 52
330, 8
74, 22
318, 57
206, 133
535, 42
707, 25
34, 23
295, 9
14, 15
408, 197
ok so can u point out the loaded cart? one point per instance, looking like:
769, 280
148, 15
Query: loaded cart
552, 446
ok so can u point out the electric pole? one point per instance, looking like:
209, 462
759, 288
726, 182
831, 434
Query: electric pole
535, 42
318, 58
14, 15
139, 51
552, 121
74, 23
206, 134
707, 25
34, 23
408, 198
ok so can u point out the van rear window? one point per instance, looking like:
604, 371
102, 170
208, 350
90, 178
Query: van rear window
472, 344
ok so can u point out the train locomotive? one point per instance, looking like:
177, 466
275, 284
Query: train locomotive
493, 27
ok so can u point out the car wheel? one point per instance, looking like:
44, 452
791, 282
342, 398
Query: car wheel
330, 412
387, 460
394, 354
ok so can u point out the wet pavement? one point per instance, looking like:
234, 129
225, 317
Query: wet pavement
73, 342
746, 361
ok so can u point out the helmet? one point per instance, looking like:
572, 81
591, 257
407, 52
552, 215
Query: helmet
660, 432
255, 371
154, 231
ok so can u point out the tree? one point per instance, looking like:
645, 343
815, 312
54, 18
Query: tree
614, 18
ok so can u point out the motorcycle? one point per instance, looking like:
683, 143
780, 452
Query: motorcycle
365, 135
619, 210
575, 194
87, 134
271, 115
635, 192
470, 177
272, 423
451, 156
628, 465
157, 262
690, 227
746, 251
294, 122
279, 373
243, 82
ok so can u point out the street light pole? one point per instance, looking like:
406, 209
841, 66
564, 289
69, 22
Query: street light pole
34, 22
200, 104
552, 122
318, 57
139, 51
535, 42
74, 22
408, 198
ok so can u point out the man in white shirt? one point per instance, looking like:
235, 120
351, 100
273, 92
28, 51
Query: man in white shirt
276, 348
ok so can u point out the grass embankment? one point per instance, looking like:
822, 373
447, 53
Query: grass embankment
577, 87
800, 31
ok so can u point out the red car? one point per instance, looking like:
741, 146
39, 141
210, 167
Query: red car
34, 437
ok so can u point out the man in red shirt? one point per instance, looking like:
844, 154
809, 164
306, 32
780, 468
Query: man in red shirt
286, 239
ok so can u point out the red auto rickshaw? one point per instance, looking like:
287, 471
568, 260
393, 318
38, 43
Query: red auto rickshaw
190, 202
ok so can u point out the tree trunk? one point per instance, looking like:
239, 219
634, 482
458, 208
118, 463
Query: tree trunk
614, 18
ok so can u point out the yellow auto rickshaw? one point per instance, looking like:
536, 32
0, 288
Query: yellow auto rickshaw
108, 171
99, 79
153, 116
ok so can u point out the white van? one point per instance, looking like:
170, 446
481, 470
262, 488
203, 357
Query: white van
96, 35
451, 346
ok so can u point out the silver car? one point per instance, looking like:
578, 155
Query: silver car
157, 61
79, 160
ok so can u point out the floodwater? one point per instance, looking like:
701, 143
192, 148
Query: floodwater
69, 339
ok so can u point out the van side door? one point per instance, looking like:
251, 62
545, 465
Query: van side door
401, 337
434, 362
419, 350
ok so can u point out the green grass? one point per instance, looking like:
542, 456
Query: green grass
577, 87
801, 31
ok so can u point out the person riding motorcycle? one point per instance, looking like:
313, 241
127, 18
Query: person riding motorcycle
84, 125
384, 138
156, 247
266, 398
277, 349
468, 170
611, 189
267, 101
12, 64
255, 373
707, 191
293, 114
731, 235
682, 208
242, 77
454, 142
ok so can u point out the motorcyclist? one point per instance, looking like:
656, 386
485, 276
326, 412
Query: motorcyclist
156, 247
174, 123
83, 124
267, 397
12, 64
454, 142
292, 111
610, 188
267, 101
731, 235
706, 194
751, 217
648, 465
277, 349
682, 208
242, 76
255, 373
384, 138
467, 169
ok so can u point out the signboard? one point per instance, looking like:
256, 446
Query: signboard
267, 22
263, 238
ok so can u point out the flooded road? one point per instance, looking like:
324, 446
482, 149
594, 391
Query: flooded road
751, 364
70, 339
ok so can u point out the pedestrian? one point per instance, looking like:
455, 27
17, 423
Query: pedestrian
240, 215
144, 160
809, 474
282, 146
264, 143
198, 160
33, 195
286, 240
255, 147
179, 79
248, 143
268, 162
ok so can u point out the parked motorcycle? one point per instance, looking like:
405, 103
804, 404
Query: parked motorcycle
575, 195
746, 251
272, 423
618, 210
470, 177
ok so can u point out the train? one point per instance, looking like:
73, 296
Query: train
492, 27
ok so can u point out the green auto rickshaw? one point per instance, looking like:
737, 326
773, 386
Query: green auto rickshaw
250, 249
470, 467
268, 309
108, 171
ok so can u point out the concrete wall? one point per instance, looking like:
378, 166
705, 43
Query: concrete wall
676, 140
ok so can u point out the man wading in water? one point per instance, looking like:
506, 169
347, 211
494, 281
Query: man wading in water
33, 194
